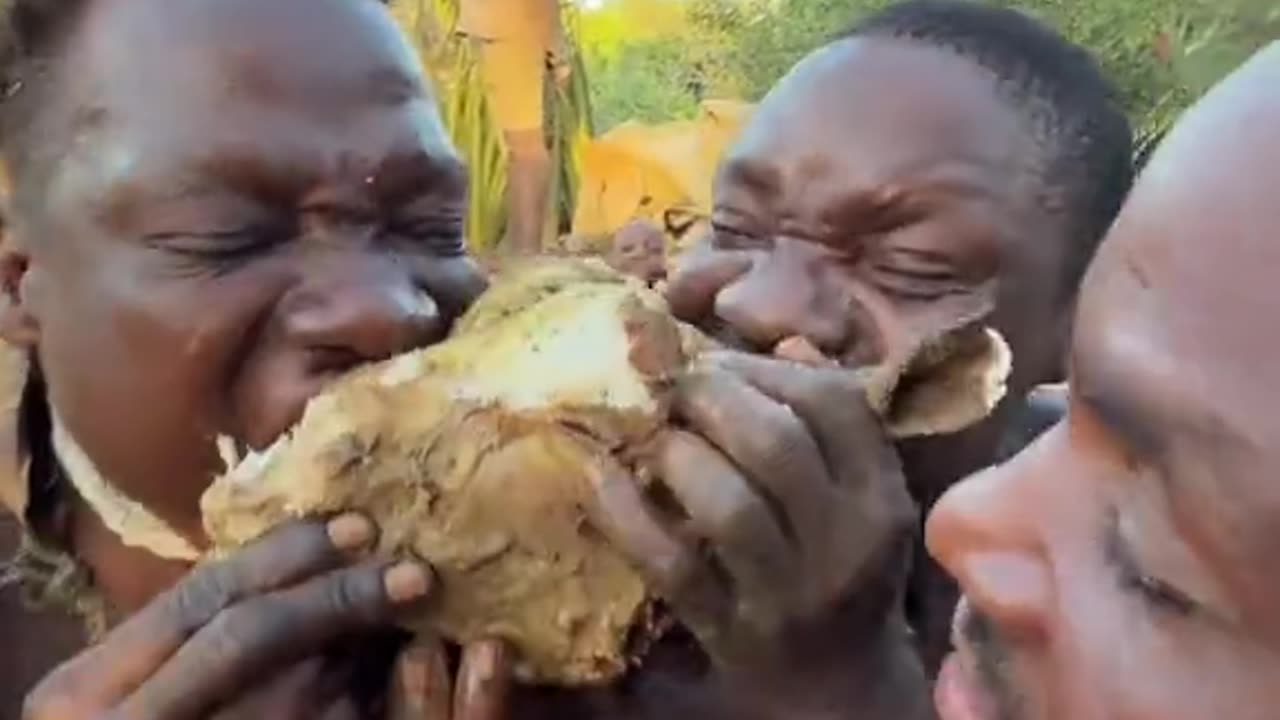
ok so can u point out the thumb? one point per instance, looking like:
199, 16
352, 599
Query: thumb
484, 681
421, 687
799, 350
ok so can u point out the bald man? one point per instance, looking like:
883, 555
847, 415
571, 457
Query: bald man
1122, 567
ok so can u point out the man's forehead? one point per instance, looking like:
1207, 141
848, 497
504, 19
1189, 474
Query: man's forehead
1186, 280
229, 68
239, 46
1201, 231
897, 105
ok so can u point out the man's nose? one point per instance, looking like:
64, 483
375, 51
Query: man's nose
360, 309
986, 531
783, 295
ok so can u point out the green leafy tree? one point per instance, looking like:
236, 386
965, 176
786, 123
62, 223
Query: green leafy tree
1161, 54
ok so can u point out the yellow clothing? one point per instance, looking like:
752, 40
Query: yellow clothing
524, 21
514, 40
514, 73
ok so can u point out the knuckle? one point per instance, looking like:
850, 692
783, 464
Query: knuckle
782, 437
704, 404
201, 596
283, 556
741, 514
238, 630
674, 572
357, 594
838, 389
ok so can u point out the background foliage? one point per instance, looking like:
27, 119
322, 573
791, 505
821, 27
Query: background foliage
1161, 53
655, 60
450, 61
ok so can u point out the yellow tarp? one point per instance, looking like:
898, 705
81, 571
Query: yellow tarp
638, 170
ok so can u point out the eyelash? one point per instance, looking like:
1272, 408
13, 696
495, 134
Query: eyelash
224, 248
1157, 593
727, 237
442, 235
913, 284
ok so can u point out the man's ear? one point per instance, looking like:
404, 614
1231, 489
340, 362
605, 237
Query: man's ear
18, 325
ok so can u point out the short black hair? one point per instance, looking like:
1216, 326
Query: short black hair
1069, 106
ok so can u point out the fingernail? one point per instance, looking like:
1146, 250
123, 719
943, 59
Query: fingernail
487, 656
406, 582
351, 531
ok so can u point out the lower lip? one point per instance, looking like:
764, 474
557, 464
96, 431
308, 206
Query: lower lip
954, 694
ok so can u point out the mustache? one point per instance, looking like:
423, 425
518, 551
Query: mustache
993, 667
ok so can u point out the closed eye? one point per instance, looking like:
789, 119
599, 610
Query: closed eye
442, 235
1157, 593
914, 275
731, 237
220, 245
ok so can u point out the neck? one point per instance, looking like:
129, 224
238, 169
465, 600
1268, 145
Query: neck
134, 523
127, 577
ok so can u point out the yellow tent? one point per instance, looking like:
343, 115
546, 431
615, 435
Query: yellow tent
653, 171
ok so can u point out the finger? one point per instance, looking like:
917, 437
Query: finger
724, 508
484, 681
141, 644
422, 686
875, 502
257, 636
763, 437
799, 350
832, 403
622, 514
697, 277
289, 694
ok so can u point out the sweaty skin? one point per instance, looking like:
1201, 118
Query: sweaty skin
1122, 568
220, 250
277, 216
881, 188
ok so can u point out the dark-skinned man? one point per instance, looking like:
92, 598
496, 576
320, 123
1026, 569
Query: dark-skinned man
211, 220
1121, 568
941, 157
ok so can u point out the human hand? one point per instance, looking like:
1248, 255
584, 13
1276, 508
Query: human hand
424, 689
789, 549
240, 637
